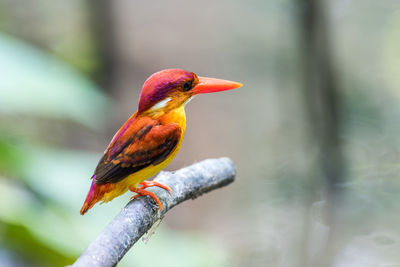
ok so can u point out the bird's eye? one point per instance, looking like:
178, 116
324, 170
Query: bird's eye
187, 86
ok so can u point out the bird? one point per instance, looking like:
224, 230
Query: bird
149, 140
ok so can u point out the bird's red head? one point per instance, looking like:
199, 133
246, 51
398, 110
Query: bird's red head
176, 86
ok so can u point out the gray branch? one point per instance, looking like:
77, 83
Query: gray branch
141, 213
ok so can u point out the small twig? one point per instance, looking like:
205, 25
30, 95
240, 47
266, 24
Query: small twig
141, 213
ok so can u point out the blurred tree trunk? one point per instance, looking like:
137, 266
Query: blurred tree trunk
103, 27
322, 107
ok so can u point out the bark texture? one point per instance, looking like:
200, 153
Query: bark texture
140, 214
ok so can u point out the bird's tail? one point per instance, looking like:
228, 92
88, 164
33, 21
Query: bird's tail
95, 194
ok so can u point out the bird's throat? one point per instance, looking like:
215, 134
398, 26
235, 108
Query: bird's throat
176, 115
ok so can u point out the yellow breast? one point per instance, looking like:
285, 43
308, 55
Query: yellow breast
174, 116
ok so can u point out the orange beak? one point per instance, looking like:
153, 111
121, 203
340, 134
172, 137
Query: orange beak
211, 85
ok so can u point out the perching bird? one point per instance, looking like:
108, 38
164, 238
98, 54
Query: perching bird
151, 137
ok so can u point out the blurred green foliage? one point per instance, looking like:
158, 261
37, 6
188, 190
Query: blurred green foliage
36, 84
21, 241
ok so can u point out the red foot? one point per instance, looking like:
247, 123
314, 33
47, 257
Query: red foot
146, 184
141, 192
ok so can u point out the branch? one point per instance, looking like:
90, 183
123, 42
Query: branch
141, 213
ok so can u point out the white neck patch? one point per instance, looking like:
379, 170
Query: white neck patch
189, 99
161, 104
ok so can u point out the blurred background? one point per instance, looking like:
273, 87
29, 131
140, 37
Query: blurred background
314, 132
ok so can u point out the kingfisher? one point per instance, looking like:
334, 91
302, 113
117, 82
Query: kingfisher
150, 139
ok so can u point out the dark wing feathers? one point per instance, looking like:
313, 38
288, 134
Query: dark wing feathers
143, 143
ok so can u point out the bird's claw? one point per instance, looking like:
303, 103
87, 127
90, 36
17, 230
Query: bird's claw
146, 184
142, 192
